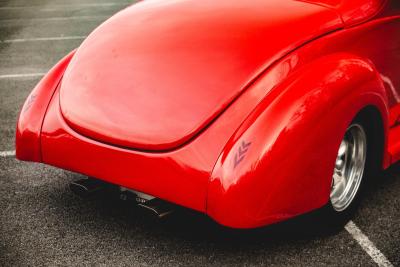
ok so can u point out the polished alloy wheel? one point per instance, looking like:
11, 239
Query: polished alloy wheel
349, 167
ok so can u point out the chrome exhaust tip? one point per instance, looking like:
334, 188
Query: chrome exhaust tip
87, 187
158, 207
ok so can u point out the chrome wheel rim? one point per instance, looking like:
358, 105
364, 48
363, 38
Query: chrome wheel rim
349, 167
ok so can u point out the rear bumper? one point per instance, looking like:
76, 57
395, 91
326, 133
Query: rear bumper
179, 176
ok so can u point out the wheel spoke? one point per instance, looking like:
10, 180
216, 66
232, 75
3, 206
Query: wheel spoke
343, 149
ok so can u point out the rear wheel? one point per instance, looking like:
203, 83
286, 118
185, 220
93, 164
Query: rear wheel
358, 160
349, 167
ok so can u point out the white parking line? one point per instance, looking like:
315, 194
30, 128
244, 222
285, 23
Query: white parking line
7, 154
55, 7
367, 245
22, 75
60, 38
57, 18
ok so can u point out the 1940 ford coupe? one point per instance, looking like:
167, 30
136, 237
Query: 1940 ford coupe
251, 112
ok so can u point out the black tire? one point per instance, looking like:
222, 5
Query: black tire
333, 219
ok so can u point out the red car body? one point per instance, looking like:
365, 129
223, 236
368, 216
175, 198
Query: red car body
232, 108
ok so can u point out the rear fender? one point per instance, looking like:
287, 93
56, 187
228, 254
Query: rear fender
280, 161
31, 117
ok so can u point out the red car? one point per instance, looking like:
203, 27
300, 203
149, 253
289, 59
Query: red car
251, 112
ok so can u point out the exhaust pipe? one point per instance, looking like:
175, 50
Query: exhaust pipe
157, 207
87, 187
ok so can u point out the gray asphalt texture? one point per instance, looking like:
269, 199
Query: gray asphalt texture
43, 224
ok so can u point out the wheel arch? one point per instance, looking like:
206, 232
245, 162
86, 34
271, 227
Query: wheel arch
266, 171
373, 118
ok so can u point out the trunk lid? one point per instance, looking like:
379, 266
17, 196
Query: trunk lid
157, 73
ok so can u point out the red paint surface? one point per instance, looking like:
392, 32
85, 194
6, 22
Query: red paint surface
354, 11
189, 66
267, 157
32, 114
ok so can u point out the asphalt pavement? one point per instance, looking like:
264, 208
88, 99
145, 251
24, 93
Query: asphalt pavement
43, 224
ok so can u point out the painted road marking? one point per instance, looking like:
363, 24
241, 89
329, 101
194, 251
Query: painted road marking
57, 18
367, 245
60, 38
56, 7
22, 75
6, 154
